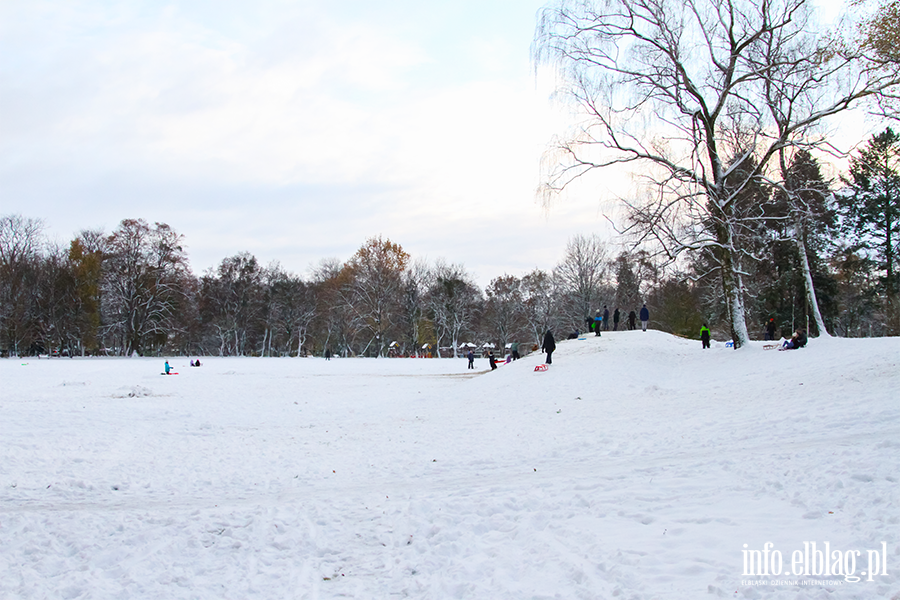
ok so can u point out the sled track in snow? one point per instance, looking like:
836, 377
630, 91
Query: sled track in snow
590, 473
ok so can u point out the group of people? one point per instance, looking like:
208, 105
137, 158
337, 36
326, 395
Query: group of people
601, 320
170, 371
513, 355
598, 323
798, 339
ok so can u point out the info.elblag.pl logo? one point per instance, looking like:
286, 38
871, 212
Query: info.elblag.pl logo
815, 561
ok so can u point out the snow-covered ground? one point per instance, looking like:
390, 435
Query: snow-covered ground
638, 466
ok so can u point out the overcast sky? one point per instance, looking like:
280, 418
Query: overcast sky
294, 130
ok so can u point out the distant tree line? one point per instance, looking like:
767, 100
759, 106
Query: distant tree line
132, 291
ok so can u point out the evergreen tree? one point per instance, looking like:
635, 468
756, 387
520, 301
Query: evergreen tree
872, 213
794, 285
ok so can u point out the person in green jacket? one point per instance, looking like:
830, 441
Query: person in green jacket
704, 336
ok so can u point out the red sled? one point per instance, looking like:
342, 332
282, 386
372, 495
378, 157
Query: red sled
541, 367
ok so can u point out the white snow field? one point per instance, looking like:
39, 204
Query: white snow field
638, 466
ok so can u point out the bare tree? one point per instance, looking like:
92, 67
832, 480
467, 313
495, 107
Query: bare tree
141, 283
454, 301
21, 240
581, 274
234, 303
291, 311
417, 280
58, 302
503, 309
539, 296
665, 84
377, 271
628, 283
334, 320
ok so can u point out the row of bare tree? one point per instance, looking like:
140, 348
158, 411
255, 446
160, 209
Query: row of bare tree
131, 291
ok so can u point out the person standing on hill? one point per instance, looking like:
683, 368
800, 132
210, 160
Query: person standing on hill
598, 321
704, 336
549, 345
471, 357
645, 317
514, 350
616, 320
770, 330
631, 318
492, 361
605, 318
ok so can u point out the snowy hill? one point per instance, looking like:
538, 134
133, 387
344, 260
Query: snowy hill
638, 466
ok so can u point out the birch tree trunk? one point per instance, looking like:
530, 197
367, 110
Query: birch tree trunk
811, 299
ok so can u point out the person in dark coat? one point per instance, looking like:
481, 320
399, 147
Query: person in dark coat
605, 318
704, 336
327, 353
645, 317
798, 340
549, 346
616, 320
770, 330
492, 361
631, 318
471, 357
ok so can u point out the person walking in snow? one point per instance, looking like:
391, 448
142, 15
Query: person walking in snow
471, 357
492, 361
598, 321
549, 345
616, 319
514, 351
704, 336
631, 318
168, 368
605, 318
645, 317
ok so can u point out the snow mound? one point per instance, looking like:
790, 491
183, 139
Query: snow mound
135, 391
